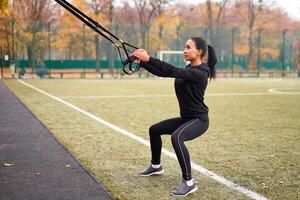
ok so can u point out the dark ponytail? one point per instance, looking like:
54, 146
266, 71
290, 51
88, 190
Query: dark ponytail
212, 58
212, 61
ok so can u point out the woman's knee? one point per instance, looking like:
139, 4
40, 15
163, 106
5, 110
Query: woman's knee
153, 131
175, 138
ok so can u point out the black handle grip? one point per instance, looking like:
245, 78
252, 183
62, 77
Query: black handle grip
129, 60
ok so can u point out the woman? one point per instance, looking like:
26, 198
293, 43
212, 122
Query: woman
190, 85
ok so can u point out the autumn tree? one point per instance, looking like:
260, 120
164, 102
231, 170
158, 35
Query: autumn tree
103, 9
69, 36
5, 30
164, 35
126, 17
147, 10
215, 23
250, 11
214, 19
3, 5
296, 26
32, 16
153, 22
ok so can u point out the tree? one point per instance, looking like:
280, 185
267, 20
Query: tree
110, 55
5, 24
163, 34
126, 16
32, 15
215, 15
104, 10
100, 9
69, 36
147, 9
253, 13
3, 6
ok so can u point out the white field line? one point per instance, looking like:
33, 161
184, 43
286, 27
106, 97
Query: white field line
158, 95
270, 92
195, 166
277, 91
116, 96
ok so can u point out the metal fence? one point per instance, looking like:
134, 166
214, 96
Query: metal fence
58, 46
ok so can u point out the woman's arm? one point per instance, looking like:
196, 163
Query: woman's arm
154, 70
169, 70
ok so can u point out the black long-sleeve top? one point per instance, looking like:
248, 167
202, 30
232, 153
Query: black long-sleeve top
190, 84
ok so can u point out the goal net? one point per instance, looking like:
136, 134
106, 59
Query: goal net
172, 57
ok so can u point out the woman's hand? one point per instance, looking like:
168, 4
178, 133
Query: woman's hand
141, 55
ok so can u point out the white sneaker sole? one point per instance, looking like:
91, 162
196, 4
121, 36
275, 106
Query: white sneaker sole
184, 195
153, 173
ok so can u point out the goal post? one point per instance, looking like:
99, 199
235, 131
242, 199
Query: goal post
172, 57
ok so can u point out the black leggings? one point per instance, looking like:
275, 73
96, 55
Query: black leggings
180, 130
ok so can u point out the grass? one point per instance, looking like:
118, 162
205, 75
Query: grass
253, 140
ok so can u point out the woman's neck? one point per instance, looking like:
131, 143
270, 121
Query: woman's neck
196, 62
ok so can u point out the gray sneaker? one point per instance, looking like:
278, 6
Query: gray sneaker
151, 171
183, 189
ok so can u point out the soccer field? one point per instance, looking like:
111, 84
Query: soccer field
253, 139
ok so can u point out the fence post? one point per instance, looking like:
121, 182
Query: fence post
232, 50
49, 47
49, 40
178, 27
177, 37
83, 49
12, 60
206, 33
147, 26
258, 51
283, 49
13, 39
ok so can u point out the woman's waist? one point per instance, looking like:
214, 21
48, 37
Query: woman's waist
203, 116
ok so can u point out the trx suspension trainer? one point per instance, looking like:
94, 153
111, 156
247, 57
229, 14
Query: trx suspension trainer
128, 66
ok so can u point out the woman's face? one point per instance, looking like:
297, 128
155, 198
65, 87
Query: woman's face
190, 51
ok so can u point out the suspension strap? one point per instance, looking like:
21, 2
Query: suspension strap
98, 28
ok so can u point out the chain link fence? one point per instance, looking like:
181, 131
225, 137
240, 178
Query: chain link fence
48, 48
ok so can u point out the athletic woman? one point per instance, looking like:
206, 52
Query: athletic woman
190, 85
